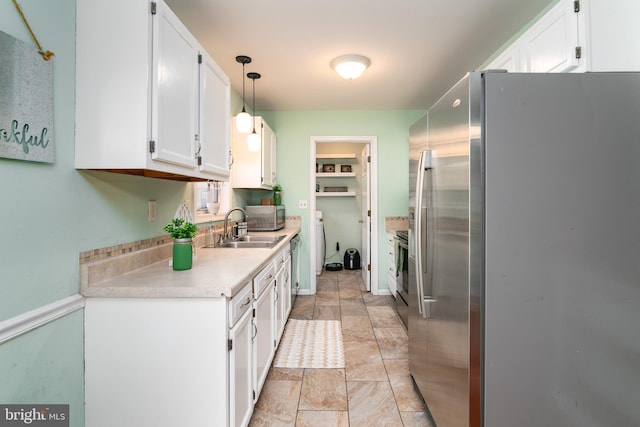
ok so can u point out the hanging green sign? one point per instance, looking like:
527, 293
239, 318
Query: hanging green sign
26, 102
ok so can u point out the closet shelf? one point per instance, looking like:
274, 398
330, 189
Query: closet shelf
335, 174
336, 194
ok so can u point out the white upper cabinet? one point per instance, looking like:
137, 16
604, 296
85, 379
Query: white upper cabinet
551, 44
254, 169
149, 100
577, 36
215, 93
614, 36
174, 121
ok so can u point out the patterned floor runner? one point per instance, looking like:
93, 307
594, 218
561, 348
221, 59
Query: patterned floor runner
311, 344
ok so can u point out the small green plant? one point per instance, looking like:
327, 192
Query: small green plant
277, 187
179, 228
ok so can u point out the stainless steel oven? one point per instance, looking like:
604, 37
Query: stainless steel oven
402, 274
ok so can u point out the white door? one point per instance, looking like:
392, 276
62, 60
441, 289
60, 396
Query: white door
366, 218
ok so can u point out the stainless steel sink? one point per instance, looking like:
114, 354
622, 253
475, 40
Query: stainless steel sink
250, 241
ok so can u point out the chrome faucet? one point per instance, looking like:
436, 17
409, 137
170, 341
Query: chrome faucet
226, 235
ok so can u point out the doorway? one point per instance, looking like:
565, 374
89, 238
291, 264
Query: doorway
343, 185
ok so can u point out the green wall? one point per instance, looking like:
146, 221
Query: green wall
50, 213
294, 129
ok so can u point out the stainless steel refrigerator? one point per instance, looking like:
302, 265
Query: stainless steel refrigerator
524, 251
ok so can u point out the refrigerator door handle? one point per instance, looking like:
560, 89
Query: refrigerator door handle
422, 208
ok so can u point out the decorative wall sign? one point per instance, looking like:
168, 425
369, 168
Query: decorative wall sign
26, 102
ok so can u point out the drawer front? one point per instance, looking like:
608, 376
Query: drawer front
264, 278
282, 257
239, 304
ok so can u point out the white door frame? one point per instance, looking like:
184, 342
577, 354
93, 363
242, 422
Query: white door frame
373, 194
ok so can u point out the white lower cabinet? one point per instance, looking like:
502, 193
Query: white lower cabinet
196, 362
264, 319
391, 263
283, 292
157, 362
240, 345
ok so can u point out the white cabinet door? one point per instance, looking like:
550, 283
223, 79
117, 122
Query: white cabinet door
268, 155
263, 342
283, 292
174, 121
550, 44
241, 371
213, 148
508, 60
286, 295
254, 169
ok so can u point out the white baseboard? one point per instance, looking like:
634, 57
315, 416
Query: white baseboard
33, 319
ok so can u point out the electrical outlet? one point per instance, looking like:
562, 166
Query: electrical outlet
302, 204
152, 210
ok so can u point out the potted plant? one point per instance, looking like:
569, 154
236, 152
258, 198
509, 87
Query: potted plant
182, 232
277, 194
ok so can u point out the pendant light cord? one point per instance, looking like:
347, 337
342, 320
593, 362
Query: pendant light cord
254, 105
46, 55
243, 109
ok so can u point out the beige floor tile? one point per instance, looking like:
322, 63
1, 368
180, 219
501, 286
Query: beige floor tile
372, 404
322, 419
323, 389
327, 298
303, 307
415, 419
349, 291
285, 374
378, 300
326, 285
405, 394
277, 405
393, 342
363, 361
357, 328
384, 317
353, 307
326, 312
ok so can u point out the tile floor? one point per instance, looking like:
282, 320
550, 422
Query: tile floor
374, 388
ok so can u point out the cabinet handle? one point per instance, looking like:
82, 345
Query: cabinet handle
255, 332
246, 303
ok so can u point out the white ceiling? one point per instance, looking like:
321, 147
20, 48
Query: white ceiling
418, 48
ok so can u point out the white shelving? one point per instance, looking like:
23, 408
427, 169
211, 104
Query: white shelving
335, 174
336, 194
335, 156
337, 160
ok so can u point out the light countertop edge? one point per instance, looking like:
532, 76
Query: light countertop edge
216, 272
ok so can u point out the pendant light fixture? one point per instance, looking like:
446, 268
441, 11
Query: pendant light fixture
254, 140
243, 119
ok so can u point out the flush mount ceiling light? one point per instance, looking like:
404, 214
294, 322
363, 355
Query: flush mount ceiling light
243, 119
350, 66
254, 141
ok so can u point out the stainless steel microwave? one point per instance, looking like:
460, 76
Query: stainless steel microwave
265, 217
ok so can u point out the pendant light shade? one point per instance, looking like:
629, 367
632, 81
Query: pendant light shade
254, 140
350, 66
243, 119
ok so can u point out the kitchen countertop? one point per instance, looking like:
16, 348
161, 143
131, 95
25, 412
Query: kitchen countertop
217, 272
